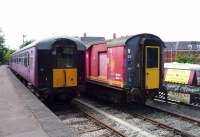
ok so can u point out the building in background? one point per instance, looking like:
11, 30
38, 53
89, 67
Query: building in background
174, 49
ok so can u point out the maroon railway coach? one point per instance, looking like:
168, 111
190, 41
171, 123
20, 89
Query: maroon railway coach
133, 65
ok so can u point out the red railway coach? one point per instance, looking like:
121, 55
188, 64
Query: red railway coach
132, 64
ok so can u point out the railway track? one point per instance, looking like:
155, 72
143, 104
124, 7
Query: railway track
152, 121
122, 121
83, 123
179, 124
127, 121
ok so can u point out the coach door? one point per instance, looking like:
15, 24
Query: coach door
152, 67
64, 73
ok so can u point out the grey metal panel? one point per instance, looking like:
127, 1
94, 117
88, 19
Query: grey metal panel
187, 66
132, 59
48, 43
94, 43
123, 40
183, 45
117, 42
87, 40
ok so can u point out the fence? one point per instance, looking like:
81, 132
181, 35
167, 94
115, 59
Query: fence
170, 55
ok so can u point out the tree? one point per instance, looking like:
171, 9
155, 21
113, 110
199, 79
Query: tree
27, 42
7, 55
2, 46
186, 59
4, 51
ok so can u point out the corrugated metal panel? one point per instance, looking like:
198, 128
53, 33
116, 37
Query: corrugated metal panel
115, 66
103, 65
93, 59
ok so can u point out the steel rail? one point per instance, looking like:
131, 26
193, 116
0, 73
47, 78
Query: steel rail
98, 121
176, 114
175, 130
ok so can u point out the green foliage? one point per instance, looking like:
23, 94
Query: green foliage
2, 46
7, 55
4, 51
26, 43
186, 59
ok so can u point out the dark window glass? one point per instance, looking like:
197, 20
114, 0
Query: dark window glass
65, 57
152, 57
25, 60
28, 59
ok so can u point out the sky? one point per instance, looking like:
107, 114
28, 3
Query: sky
171, 20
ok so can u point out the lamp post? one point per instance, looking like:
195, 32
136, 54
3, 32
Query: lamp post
24, 38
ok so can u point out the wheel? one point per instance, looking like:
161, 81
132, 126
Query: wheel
138, 95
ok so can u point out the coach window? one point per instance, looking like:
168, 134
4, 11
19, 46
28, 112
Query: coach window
65, 57
22, 61
20, 58
152, 57
26, 59
17, 59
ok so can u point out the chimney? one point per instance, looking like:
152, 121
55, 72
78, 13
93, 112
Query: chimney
84, 35
114, 36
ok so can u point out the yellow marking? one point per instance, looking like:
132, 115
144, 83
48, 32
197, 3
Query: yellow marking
110, 82
152, 75
100, 79
112, 66
71, 77
58, 78
92, 78
177, 76
152, 78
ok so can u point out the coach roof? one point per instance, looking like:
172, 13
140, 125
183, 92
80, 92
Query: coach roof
47, 43
123, 40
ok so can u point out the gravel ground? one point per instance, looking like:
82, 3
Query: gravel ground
144, 126
79, 123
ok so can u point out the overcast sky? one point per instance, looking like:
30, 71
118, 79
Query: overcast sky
171, 20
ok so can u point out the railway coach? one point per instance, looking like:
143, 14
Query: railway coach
132, 65
52, 66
